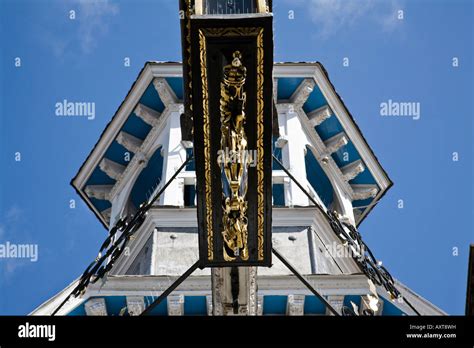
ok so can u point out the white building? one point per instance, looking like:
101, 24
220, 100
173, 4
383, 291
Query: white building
322, 147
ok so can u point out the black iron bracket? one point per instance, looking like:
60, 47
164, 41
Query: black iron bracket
113, 247
367, 262
173, 286
304, 281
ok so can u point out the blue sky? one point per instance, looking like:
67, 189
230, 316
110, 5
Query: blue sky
407, 59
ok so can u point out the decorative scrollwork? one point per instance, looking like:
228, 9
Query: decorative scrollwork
235, 171
229, 32
207, 146
111, 249
366, 260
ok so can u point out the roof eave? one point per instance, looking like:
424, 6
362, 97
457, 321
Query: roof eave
145, 77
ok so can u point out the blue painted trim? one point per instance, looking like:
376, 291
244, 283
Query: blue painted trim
274, 304
389, 309
287, 86
160, 310
329, 128
195, 305
176, 84
100, 204
151, 99
136, 127
189, 195
115, 305
278, 191
315, 100
98, 177
116, 153
313, 305
148, 179
318, 179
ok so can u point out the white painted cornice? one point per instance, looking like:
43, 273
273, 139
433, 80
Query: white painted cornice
305, 70
423, 306
281, 70
315, 70
351, 129
327, 285
275, 90
343, 284
146, 76
172, 217
48, 307
117, 122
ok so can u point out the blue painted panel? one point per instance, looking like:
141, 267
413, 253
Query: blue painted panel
116, 153
318, 179
329, 128
160, 310
190, 167
148, 179
151, 98
313, 305
278, 191
363, 178
362, 203
78, 311
345, 155
348, 154
287, 86
100, 204
354, 298
315, 100
189, 195
176, 84
98, 177
115, 304
136, 127
390, 309
195, 305
274, 304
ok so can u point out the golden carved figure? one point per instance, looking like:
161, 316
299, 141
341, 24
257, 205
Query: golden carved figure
234, 178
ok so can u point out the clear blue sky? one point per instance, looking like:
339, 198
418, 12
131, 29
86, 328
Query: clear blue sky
82, 60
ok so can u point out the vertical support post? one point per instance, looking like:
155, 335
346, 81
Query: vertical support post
344, 205
295, 152
234, 293
337, 302
174, 156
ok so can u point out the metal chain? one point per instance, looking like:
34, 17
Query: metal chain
366, 261
112, 247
